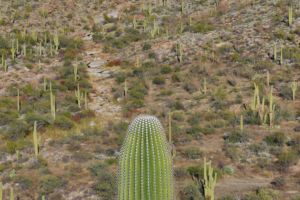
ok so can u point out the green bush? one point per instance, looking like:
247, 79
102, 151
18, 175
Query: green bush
7, 116
105, 183
286, 159
63, 122
191, 192
262, 194
236, 137
193, 153
202, 27
166, 70
159, 80
17, 129
50, 183
276, 139
42, 120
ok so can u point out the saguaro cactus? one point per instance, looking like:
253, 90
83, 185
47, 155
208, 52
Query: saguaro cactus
209, 180
1, 191
145, 165
35, 140
290, 16
52, 102
294, 87
11, 195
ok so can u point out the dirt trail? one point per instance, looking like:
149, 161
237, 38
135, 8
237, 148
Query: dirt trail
237, 186
101, 78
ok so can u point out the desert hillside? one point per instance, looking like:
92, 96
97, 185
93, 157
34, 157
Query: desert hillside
221, 76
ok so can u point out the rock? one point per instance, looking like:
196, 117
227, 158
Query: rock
297, 129
113, 14
97, 64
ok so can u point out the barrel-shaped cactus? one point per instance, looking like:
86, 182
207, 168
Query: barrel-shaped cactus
145, 165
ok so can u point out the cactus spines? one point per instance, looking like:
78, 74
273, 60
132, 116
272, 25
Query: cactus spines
35, 139
209, 180
145, 165
294, 88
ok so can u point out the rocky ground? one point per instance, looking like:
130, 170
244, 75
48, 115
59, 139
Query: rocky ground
199, 61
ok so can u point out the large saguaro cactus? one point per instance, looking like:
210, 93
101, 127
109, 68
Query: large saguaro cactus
145, 165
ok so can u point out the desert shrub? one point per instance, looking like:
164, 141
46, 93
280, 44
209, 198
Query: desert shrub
195, 131
176, 105
198, 171
166, 70
159, 80
105, 183
233, 152
278, 182
69, 42
228, 197
24, 182
178, 116
81, 156
202, 27
7, 116
146, 46
286, 92
137, 90
4, 44
180, 173
258, 148
286, 158
120, 77
219, 99
42, 120
193, 153
262, 194
176, 78
191, 192
17, 129
228, 170
50, 183
276, 139
63, 122
152, 55
98, 168
295, 144
236, 137
189, 87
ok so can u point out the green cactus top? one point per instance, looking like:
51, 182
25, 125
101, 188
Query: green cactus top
145, 165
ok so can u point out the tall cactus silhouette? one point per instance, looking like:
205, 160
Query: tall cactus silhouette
145, 165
